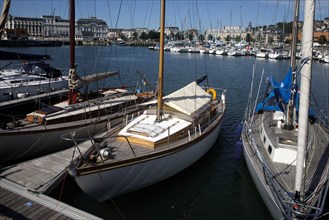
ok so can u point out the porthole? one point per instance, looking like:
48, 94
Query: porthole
269, 149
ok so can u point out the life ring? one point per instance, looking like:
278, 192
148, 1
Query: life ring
212, 92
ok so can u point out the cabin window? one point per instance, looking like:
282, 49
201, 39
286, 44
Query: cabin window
182, 133
264, 140
269, 149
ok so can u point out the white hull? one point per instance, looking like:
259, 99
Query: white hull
22, 90
261, 55
28, 143
261, 186
117, 181
326, 59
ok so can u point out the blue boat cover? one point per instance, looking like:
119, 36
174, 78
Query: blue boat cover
279, 96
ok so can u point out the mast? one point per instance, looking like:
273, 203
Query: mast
72, 71
72, 34
4, 15
305, 85
290, 106
161, 58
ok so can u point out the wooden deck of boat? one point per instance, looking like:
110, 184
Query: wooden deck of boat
23, 188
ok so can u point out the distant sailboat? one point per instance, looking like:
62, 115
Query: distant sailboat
286, 147
154, 146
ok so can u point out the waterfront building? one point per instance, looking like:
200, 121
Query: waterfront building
223, 33
55, 28
92, 25
34, 26
50, 27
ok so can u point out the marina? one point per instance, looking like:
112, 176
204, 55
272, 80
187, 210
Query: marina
180, 129
216, 185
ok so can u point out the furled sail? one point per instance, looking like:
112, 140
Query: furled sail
76, 81
4, 15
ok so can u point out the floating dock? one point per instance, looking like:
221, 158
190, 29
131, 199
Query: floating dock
24, 188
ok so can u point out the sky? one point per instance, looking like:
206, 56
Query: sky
184, 14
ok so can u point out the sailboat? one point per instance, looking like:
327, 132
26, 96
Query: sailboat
286, 146
173, 133
35, 79
40, 132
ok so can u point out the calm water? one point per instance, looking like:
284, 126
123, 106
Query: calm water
217, 186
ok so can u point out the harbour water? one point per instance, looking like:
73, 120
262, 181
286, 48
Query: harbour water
216, 187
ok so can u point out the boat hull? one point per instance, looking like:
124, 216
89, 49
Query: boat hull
22, 90
259, 181
114, 182
17, 146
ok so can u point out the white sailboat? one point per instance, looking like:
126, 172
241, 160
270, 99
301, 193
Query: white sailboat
286, 147
161, 142
30, 78
40, 132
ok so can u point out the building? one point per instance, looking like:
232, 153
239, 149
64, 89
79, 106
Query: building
223, 33
97, 26
34, 26
54, 27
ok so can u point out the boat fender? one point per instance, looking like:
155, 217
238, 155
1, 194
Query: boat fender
212, 92
105, 153
238, 148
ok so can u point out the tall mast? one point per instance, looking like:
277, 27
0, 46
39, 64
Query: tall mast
290, 107
72, 34
294, 35
72, 71
161, 58
305, 85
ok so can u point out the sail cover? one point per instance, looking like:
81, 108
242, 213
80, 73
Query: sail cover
4, 15
280, 94
188, 99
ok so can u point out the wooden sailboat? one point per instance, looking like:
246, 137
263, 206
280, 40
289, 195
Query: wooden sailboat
286, 146
40, 131
164, 140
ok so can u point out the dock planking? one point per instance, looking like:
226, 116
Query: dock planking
23, 188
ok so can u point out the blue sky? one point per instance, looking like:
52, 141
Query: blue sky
185, 14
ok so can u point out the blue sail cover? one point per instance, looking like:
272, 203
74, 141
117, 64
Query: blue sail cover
279, 97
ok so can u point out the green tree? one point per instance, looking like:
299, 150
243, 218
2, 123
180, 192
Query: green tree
238, 38
248, 37
153, 35
210, 37
201, 37
228, 38
135, 36
143, 36
322, 39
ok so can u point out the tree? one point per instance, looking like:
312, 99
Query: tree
135, 36
322, 39
238, 38
143, 36
248, 37
228, 38
153, 35
210, 37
